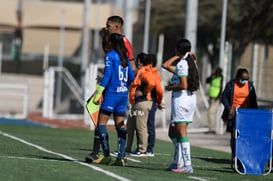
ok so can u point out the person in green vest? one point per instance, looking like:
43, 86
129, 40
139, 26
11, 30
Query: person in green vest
215, 90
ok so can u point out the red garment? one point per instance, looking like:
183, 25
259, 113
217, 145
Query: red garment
129, 48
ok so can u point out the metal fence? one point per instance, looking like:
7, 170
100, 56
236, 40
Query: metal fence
14, 100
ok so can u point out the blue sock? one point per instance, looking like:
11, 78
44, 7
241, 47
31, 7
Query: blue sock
121, 142
104, 140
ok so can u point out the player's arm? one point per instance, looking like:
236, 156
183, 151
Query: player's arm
131, 75
168, 64
105, 79
182, 86
159, 92
136, 83
130, 54
107, 71
182, 72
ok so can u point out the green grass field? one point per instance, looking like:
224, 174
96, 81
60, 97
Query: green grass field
38, 153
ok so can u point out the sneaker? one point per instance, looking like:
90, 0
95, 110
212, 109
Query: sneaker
185, 169
150, 154
91, 157
138, 154
106, 160
98, 160
119, 163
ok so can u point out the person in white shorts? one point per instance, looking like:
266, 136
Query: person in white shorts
184, 84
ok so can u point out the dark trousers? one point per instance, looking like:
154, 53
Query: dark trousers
151, 128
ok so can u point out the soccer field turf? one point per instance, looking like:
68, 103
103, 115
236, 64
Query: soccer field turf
41, 153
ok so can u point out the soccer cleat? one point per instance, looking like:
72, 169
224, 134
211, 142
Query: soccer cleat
91, 157
106, 160
99, 159
138, 154
150, 154
119, 163
185, 169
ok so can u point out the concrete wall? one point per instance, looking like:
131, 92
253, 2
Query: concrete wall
35, 91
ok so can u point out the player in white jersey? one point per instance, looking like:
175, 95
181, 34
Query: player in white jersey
184, 83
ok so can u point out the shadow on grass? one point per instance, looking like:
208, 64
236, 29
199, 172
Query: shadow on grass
222, 170
145, 168
49, 158
224, 165
83, 149
214, 160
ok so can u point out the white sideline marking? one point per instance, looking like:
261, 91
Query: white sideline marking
66, 157
198, 178
131, 159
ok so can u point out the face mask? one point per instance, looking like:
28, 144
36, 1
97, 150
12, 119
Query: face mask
243, 81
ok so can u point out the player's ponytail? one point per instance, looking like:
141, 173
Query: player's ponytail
193, 77
183, 47
118, 45
104, 34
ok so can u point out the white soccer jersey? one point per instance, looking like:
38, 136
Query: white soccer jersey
181, 70
183, 101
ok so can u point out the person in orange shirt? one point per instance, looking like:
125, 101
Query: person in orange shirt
238, 93
141, 101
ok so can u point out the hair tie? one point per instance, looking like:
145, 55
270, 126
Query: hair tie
185, 56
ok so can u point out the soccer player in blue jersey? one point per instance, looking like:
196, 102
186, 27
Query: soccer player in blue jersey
94, 156
113, 25
118, 75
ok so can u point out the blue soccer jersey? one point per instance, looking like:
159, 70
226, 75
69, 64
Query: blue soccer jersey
116, 80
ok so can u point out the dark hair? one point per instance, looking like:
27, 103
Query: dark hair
104, 34
218, 70
193, 77
116, 19
117, 44
240, 72
144, 59
183, 46
153, 59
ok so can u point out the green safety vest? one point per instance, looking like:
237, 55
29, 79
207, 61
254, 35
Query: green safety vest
215, 87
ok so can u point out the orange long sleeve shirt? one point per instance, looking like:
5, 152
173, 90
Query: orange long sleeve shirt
146, 79
158, 88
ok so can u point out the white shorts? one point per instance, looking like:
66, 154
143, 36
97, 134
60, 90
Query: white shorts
183, 107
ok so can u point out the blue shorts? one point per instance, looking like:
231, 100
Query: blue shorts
115, 104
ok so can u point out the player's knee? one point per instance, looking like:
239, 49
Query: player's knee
120, 125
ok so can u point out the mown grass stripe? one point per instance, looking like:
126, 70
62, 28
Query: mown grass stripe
65, 156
